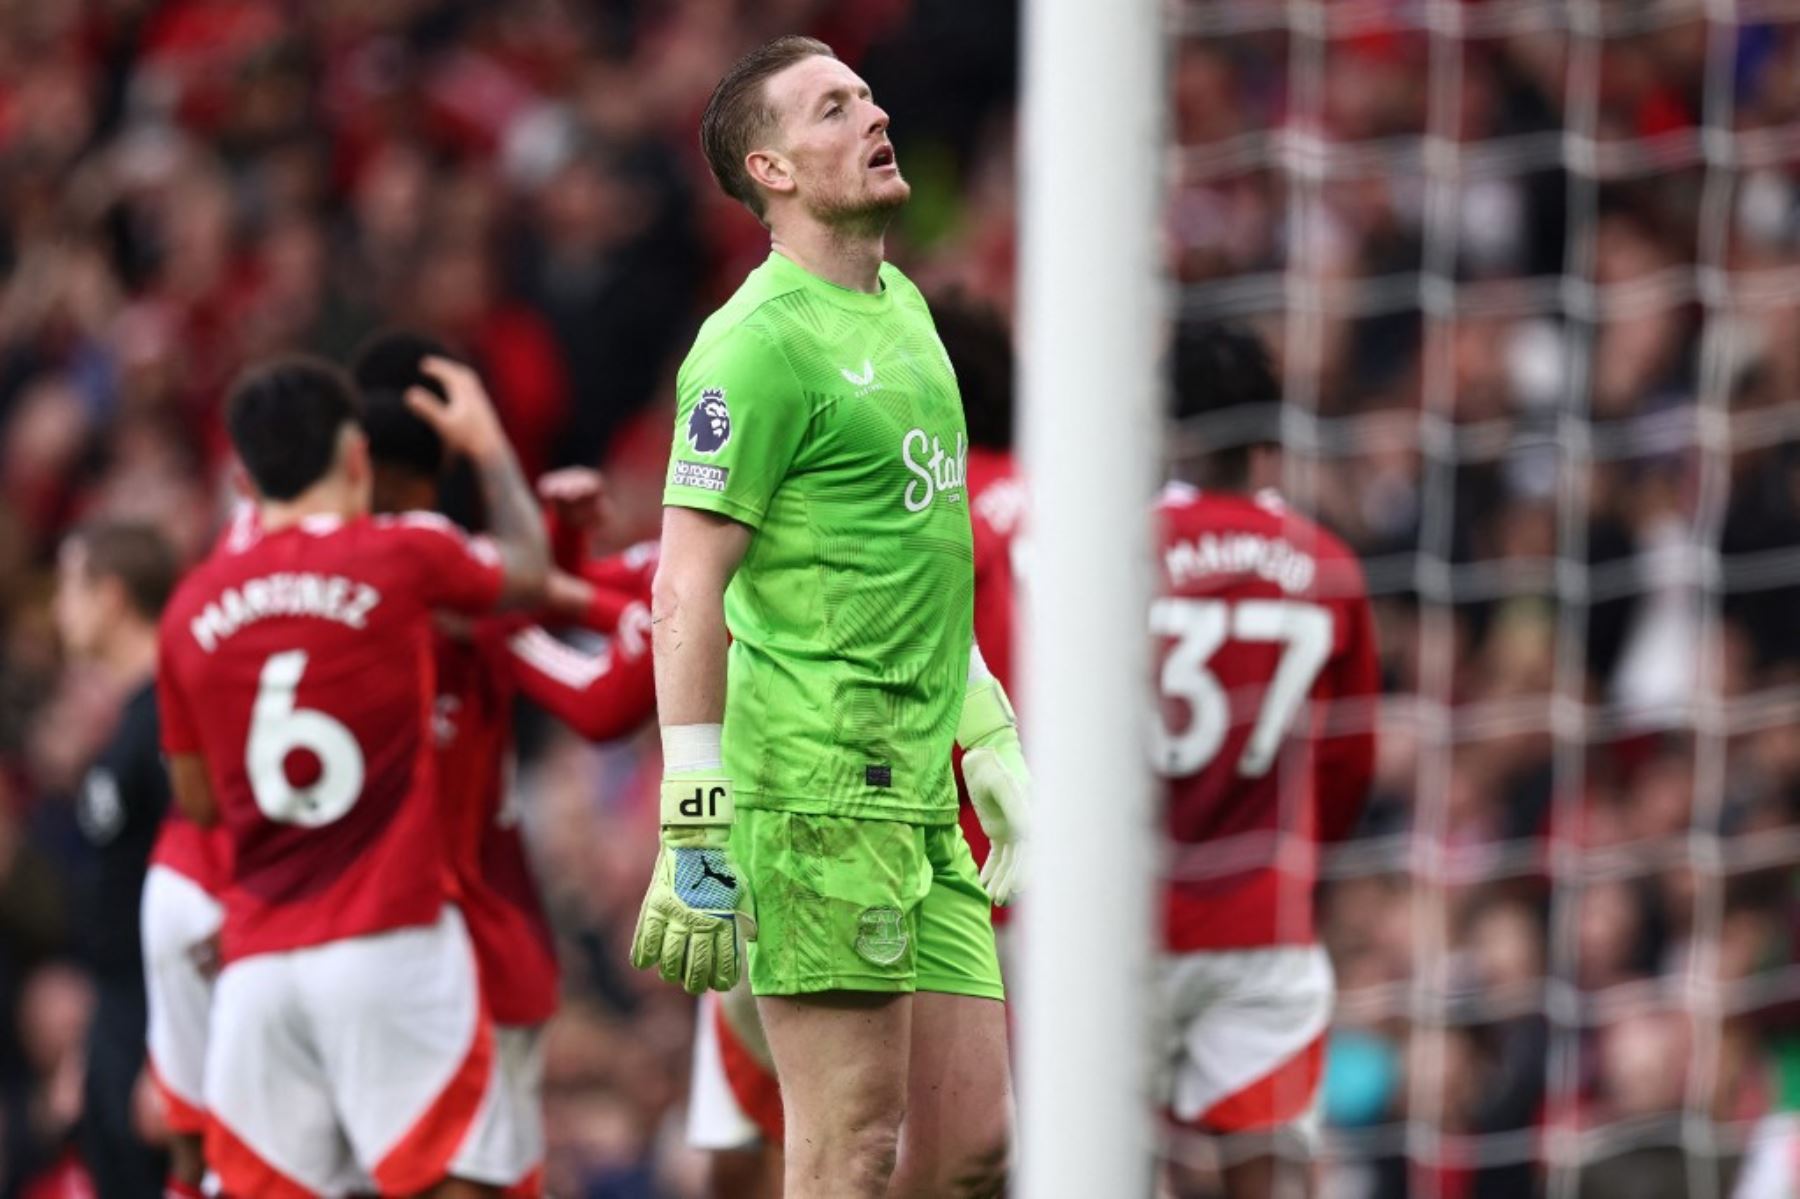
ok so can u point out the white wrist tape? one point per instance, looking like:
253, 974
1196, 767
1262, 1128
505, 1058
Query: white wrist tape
690, 747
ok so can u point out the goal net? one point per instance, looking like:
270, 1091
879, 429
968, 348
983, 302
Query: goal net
1532, 271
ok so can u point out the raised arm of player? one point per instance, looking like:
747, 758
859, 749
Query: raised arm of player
601, 696
594, 593
468, 424
615, 585
574, 500
583, 601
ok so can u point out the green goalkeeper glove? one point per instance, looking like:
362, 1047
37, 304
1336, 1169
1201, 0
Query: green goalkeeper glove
999, 784
688, 927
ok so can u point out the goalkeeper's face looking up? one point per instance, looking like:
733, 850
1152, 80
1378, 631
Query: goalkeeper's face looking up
796, 136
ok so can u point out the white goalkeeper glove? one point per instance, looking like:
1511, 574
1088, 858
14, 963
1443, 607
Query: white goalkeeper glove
999, 784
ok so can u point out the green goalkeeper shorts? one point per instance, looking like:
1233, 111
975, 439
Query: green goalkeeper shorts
853, 904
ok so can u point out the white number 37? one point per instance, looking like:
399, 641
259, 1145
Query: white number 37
1199, 627
277, 729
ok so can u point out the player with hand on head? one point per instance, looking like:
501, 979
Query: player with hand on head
1267, 686
477, 671
349, 1040
815, 665
602, 695
480, 668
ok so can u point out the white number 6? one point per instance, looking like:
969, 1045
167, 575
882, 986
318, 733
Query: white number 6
277, 729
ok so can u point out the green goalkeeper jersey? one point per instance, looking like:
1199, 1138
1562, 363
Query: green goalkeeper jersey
828, 421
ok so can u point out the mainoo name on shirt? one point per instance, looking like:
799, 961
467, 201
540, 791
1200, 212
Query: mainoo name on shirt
1269, 558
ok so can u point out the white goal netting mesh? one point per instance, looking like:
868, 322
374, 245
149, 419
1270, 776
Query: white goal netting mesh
1533, 273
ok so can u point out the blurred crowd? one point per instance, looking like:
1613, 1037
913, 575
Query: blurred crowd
1572, 907
188, 186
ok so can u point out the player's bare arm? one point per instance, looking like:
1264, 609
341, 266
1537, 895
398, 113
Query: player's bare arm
574, 499
577, 497
688, 927
700, 553
467, 422
193, 789
566, 595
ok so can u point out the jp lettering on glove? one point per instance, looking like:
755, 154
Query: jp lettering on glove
689, 925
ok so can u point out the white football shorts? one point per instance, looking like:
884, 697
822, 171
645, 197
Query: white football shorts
365, 1059
1243, 1038
178, 920
734, 1100
506, 1146
715, 1120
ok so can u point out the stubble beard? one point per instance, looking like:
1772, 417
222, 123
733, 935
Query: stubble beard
865, 213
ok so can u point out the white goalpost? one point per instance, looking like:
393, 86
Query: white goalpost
1090, 351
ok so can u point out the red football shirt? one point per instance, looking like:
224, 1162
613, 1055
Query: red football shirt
202, 855
299, 664
606, 694
601, 696
514, 948
620, 580
1267, 679
997, 520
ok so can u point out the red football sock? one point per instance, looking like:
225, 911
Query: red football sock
174, 1188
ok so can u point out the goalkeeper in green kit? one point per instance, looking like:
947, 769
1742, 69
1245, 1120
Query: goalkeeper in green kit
815, 666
